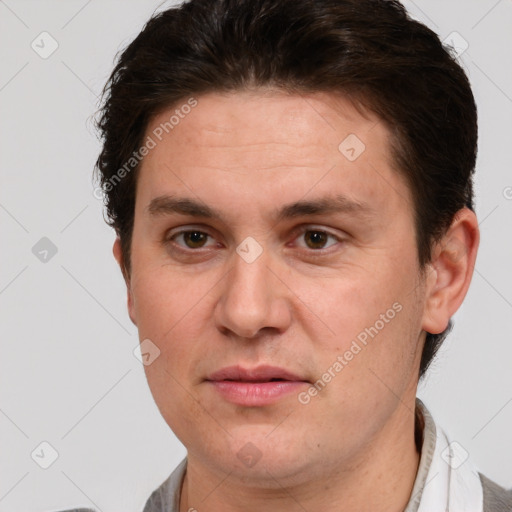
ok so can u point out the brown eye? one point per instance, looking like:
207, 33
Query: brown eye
316, 239
194, 239
190, 239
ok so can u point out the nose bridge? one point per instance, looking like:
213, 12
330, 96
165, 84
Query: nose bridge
250, 272
251, 298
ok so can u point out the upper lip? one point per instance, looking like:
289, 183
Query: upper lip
262, 373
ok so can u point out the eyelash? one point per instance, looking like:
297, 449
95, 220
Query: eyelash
170, 239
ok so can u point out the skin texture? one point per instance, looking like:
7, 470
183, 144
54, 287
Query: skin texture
299, 305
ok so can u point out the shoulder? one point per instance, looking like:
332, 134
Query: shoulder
166, 498
496, 498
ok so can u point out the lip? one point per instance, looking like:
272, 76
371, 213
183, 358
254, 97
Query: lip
254, 386
258, 374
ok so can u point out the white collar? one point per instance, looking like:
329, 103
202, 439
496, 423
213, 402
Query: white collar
452, 482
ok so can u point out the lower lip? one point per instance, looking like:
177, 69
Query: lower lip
256, 393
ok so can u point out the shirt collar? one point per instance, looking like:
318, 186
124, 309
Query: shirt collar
425, 435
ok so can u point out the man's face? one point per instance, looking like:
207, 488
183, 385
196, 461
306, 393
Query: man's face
271, 282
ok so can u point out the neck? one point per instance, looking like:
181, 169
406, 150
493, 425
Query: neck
380, 478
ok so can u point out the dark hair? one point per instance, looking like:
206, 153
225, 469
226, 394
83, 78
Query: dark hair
368, 50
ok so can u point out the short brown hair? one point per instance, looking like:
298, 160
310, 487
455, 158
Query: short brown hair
369, 50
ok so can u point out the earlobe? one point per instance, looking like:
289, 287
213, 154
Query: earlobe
450, 272
118, 255
130, 304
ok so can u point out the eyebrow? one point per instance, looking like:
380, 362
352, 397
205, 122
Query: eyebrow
168, 205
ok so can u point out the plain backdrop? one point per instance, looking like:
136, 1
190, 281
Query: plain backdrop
69, 376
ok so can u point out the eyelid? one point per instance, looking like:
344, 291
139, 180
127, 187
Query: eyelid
189, 227
314, 227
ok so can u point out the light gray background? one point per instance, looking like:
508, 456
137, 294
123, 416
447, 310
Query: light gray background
68, 373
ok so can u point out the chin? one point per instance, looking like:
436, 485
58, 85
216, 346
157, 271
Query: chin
263, 452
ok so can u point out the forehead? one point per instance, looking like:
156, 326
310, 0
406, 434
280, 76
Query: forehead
246, 121
269, 144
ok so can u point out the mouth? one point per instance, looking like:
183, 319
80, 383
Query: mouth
254, 387
260, 374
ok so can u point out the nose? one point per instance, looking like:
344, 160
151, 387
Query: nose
252, 299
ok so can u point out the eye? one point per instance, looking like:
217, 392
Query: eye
192, 239
317, 238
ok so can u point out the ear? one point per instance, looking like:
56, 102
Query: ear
118, 255
450, 271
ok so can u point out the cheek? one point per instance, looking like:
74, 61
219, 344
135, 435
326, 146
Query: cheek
349, 304
163, 298
171, 312
174, 311
371, 319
